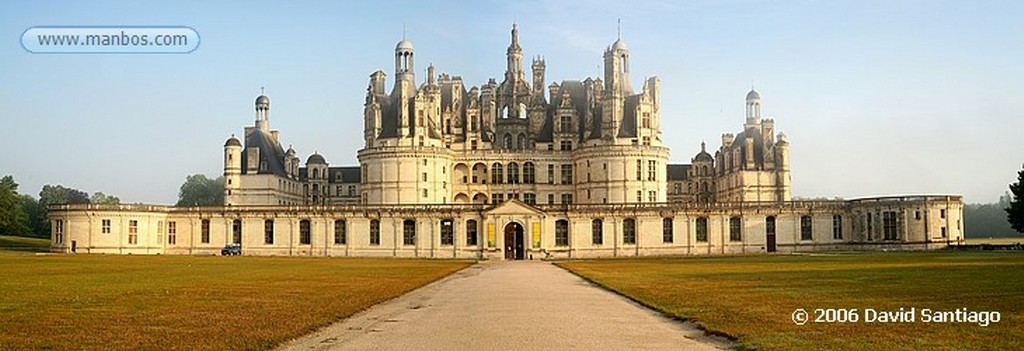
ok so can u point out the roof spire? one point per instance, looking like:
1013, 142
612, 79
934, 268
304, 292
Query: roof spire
619, 29
702, 146
263, 90
403, 30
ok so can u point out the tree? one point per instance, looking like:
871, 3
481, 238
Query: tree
101, 198
58, 194
38, 224
1015, 212
198, 190
13, 220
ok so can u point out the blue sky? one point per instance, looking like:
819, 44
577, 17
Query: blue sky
876, 97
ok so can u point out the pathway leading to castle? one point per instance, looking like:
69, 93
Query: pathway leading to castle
508, 306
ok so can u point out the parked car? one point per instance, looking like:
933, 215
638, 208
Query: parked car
231, 250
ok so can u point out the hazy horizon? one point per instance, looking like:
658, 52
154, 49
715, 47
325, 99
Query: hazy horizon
875, 97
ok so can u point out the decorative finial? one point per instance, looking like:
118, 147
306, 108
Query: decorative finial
619, 29
702, 146
263, 90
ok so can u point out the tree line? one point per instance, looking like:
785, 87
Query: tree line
25, 215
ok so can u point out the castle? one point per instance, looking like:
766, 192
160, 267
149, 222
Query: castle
513, 170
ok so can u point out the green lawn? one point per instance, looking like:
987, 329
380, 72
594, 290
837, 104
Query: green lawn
20, 243
751, 298
185, 302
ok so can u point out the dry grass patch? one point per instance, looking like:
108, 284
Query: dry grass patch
184, 302
752, 297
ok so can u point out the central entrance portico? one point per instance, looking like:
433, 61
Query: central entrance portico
514, 246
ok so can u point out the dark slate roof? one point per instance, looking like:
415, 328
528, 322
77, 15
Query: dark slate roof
233, 142
271, 152
741, 143
678, 172
350, 174
627, 129
316, 159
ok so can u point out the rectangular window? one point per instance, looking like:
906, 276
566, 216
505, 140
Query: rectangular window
597, 232
645, 121
236, 231
471, 236
172, 233
889, 225
351, 190
561, 232
567, 174
735, 229
447, 233
837, 227
551, 198
666, 231
639, 196
106, 226
702, 229
565, 145
566, 124
304, 232
133, 232
652, 170
204, 237
629, 231
551, 174
497, 198
58, 231
652, 196
566, 199
160, 232
805, 228
375, 232
409, 232
268, 232
917, 215
340, 237
639, 170
530, 198
942, 213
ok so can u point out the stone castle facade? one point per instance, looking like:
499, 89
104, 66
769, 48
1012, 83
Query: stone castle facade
513, 170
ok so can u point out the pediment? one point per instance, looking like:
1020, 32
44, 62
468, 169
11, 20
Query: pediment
514, 207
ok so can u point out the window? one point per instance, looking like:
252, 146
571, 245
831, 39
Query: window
551, 198
567, 174
565, 145
496, 173
639, 196
471, 238
561, 232
497, 198
677, 188
889, 225
645, 121
236, 231
639, 170
133, 231
106, 226
917, 215
521, 139
204, 237
551, 174
666, 231
597, 232
513, 173
172, 233
629, 231
160, 232
805, 228
425, 192
837, 227
652, 170
528, 173
268, 232
508, 141
340, 237
647, 141
567, 199
566, 124
58, 231
943, 232
304, 235
942, 213
735, 229
530, 198
409, 232
702, 229
374, 232
769, 226
869, 225
447, 233
652, 196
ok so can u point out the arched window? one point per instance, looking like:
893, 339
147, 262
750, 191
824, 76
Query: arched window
471, 236
597, 232
561, 232
340, 237
529, 173
268, 232
447, 232
702, 229
304, 232
522, 114
735, 229
513, 173
805, 228
504, 112
629, 231
374, 232
507, 141
409, 232
316, 173
497, 175
521, 141
666, 231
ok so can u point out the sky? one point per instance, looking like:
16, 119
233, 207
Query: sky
875, 97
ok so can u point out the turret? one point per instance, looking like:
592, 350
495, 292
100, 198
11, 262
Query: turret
753, 108
263, 113
232, 168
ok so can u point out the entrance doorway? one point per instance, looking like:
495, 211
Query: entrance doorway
769, 228
514, 246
